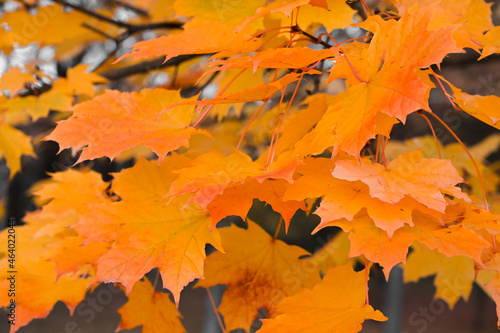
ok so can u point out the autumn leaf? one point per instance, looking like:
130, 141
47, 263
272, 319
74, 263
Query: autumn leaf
237, 200
38, 277
211, 37
337, 304
209, 174
80, 81
374, 243
284, 7
332, 254
267, 107
471, 216
41, 287
337, 15
452, 239
303, 121
262, 91
297, 57
60, 212
481, 107
409, 174
15, 79
344, 199
490, 42
45, 28
154, 311
373, 71
145, 233
103, 124
14, 144
473, 18
454, 275
72, 255
217, 10
70, 188
147, 179
39, 106
493, 287
259, 272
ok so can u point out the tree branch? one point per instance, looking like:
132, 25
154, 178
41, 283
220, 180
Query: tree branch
131, 28
146, 66
138, 10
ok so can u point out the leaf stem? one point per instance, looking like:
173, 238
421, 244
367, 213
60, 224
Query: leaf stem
271, 144
284, 115
218, 95
216, 311
157, 277
433, 133
367, 298
138, 10
479, 175
278, 228
250, 121
368, 11
345, 55
446, 93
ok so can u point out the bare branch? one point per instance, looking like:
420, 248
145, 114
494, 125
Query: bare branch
131, 28
145, 66
138, 10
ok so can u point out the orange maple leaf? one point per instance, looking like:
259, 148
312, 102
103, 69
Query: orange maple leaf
209, 174
285, 7
344, 199
145, 233
154, 311
337, 304
14, 144
297, 57
384, 77
210, 37
237, 200
374, 243
103, 124
36, 277
259, 272
454, 275
15, 79
51, 25
410, 174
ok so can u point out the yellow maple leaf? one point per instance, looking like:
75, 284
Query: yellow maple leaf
14, 144
337, 304
154, 311
454, 275
259, 272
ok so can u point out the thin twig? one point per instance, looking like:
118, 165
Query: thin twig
210, 80
479, 174
131, 28
97, 31
108, 56
138, 10
93, 14
216, 311
278, 228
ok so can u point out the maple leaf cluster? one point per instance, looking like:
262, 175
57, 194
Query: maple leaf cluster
298, 115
